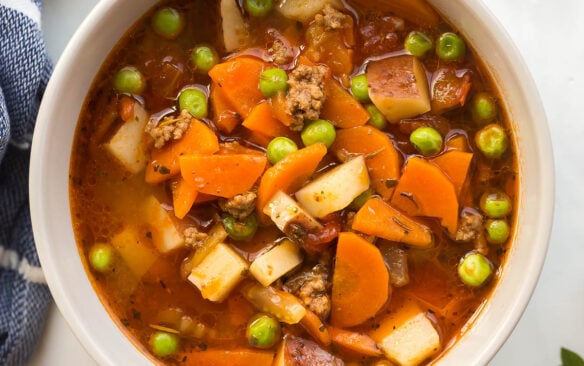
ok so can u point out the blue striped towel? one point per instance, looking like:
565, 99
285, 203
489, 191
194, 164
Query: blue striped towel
24, 71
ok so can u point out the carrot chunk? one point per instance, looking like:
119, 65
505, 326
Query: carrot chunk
425, 190
356, 342
382, 160
290, 173
262, 120
378, 218
341, 108
456, 165
316, 328
239, 79
232, 357
199, 139
360, 281
224, 115
183, 197
222, 175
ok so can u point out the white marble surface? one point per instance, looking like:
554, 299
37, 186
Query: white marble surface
550, 36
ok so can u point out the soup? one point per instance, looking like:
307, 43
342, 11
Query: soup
331, 183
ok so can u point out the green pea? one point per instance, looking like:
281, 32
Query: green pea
450, 47
258, 8
376, 118
239, 230
497, 231
272, 81
168, 22
496, 204
360, 88
474, 269
101, 257
194, 101
417, 43
426, 140
263, 331
129, 80
492, 141
318, 131
279, 148
204, 58
163, 343
483, 108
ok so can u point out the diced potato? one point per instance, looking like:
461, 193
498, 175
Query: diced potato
235, 33
134, 250
276, 262
165, 235
304, 10
219, 272
335, 189
288, 215
398, 87
127, 143
285, 307
407, 337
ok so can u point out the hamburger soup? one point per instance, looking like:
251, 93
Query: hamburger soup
293, 183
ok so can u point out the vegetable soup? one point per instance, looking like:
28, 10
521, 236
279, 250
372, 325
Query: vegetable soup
293, 183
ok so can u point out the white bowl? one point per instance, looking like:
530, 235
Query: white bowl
49, 183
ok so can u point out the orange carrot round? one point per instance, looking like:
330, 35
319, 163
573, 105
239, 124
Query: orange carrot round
360, 281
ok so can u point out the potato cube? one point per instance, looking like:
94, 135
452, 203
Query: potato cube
276, 262
235, 33
219, 272
126, 144
335, 189
398, 87
289, 216
136, 252
165, 235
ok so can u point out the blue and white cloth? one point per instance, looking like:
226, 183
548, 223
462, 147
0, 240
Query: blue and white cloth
24, 71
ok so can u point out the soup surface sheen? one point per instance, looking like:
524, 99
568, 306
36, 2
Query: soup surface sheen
318, 184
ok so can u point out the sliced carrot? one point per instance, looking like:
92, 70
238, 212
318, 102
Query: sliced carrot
232, 357
457, 142
199, 138
183, 197
290, 173
278, 103
356, 342
456, 165
425, 190
316, 328
126, 108
360, 281
378, 218
341, 108
224, 115
222, 175
382, 159
236, 148
331, 47
262, 120
239, 79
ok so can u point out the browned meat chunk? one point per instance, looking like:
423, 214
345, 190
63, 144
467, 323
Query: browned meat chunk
306, 94
330, 18
194, 238
311, 287
469, 226
302, 352
240, 206
170, 128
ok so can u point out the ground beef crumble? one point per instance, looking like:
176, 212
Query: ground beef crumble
311, 285
194, 238
170, 128
280, 53
306, 95
469, 226
330, 18
240, 206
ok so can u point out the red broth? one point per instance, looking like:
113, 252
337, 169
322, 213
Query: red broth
125, 197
